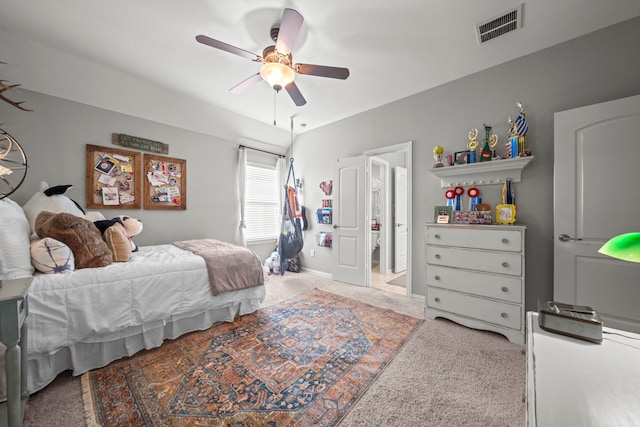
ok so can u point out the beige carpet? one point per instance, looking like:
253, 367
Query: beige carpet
399, 281
446, 374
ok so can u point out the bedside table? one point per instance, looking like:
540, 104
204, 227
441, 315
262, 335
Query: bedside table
13, 333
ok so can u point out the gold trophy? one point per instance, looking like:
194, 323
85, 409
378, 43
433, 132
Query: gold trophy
438, 152
473, 144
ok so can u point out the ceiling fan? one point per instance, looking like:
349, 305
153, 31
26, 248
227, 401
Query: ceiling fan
278, 68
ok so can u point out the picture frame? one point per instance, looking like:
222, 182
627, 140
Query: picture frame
505, 214
461, 157
472, 217
165, 182
112, 178
442, 214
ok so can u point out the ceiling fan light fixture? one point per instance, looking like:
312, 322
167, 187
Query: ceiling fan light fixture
277, 75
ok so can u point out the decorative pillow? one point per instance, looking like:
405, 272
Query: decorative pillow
51, 256
15, 257
119, 242
82, 237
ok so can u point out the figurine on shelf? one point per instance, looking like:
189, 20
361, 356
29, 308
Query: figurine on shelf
438, 152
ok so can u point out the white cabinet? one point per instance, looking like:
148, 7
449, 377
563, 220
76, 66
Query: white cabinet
475, 276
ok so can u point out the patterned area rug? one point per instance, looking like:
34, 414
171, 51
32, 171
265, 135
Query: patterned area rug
302, 362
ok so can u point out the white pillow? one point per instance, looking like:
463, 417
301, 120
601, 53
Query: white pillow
15, 256
51, 256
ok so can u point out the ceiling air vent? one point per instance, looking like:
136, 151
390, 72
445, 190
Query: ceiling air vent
500, 25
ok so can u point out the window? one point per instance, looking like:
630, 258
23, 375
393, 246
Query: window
262, 210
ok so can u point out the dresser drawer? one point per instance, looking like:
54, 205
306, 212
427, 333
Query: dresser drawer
474, 238
496, 312
490, 262
506, 288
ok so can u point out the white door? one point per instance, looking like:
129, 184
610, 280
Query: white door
349, 219
596, 179
400, 191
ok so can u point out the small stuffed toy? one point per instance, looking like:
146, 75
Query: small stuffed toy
117, 233
273, 263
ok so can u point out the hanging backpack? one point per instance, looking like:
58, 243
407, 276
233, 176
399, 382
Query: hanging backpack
291, 239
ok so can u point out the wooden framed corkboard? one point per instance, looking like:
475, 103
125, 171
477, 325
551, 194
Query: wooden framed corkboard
165, 182
113, 178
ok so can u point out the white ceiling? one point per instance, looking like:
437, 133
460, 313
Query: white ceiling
393, 48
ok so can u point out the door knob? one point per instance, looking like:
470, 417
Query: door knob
565, 238
335, 225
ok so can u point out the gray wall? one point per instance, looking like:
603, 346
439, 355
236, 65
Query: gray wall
597, 67
54, 137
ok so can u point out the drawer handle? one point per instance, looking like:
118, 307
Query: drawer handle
437, 236
437, 256
437, 277
436, 299
504, 315
505, 241
504, 289
505, 264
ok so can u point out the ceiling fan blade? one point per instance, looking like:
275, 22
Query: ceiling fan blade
227, 47
295, 94
322, 71
246, 84
288, 32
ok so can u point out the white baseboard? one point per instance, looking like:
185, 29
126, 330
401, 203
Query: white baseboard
319, 273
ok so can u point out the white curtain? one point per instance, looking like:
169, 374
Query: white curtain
242, 178
282, 169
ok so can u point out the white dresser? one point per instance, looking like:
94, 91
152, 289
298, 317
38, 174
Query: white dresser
475, 276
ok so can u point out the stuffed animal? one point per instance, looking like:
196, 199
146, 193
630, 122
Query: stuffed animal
50, 199
273, 263
79, 234
117, 233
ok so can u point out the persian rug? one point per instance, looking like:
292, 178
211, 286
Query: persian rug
303, 362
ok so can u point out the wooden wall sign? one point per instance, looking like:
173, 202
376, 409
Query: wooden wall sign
140, 143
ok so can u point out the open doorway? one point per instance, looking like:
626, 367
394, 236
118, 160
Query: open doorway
389, 213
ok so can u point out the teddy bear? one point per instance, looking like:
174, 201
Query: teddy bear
79, 234
273, 263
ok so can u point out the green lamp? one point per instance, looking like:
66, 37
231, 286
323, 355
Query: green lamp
624, 246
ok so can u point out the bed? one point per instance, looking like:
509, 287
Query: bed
87, 318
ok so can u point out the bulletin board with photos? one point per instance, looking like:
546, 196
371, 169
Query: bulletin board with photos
165, 182
112, 181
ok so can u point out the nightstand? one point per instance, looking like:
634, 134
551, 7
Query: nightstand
13, 334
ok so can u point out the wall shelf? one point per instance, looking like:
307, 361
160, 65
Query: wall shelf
485, 173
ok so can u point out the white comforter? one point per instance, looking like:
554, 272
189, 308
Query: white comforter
159, 284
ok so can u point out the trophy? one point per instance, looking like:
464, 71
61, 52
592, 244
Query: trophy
438, 151
490, 142
473, 144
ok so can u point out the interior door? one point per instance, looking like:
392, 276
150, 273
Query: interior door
349, 214
596, 178
400, 191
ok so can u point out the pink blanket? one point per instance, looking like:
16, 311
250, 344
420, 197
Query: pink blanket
230, 267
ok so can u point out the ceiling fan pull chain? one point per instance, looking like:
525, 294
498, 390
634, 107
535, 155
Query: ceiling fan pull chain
274, 107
